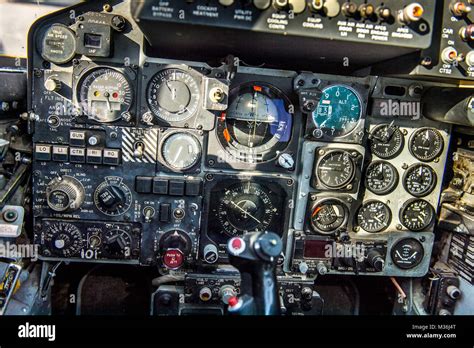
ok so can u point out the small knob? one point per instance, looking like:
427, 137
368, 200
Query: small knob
297, 6
303, 267
460, 9
453, 292
366, 10
205, 294
467, 32
111, 197
411, 13
449, 55
376, 260
349, 9
226, 2
307, 293
384, 13
52, 85
211, 254
470, 59
281, 4
65, 194
226, 292
262, 4
321, 268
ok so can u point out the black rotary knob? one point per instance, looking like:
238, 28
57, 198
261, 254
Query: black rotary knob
65, 194
376, 259
111, 197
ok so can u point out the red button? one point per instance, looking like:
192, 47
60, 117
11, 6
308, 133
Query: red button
237, 243
173, 259
233, 301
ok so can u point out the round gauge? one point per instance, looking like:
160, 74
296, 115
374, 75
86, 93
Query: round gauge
338, 111
257, 125
64, 239
407, 253
419, 180
173, 95
374, 216
381, 177
426, 144
416, 214
112, 197
117, 243
386, 141
245, 207
328, 216
104, 94
58, 44
181, 151
336, 169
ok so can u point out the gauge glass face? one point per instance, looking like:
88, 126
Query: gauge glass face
173, 95
257, 124
104, 95
336, 169
382, 177
407, 253
419, 180
58, 44
65, 239
386, 141
181, 151
328, 216
417, 215
426, 144
338, 111
245, 207
374, 216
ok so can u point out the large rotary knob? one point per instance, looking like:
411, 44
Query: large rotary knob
175, 246
65, 194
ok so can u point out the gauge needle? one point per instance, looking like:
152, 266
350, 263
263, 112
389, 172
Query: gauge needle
414, 255
109, 107
246, 212
178, 154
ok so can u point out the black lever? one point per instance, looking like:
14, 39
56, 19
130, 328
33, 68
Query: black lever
255, 256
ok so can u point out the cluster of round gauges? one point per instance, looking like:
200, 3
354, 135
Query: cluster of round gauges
258, 123
104, 95
328, 216
338, 111
407, 253
245, 207
335, 169
181, 151
173, 95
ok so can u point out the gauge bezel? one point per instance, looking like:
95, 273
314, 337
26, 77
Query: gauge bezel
387, 209
164, 135
432, 185
311, 228
163, 141
393, 182
426, 225
398, 244
434, 155
393, 154
349, 185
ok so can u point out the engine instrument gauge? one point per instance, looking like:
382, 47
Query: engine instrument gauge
58, 44
381, 177
181, 151
173, 95
257, 125
426, 144
104, 94
338, 111
64, 239
328, 216
374, 216
335, 169
416, 214
419, 180
112, 197
386, 141
245, 207
407, 253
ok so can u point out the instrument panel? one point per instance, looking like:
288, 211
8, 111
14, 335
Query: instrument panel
159, 162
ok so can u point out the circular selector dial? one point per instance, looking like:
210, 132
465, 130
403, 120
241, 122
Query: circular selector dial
104, 94
386, 141
407, 253
112, 197
336, 169
416, 214
173, 95
58, 44
181, 151
118, 243
426, 144
64, 239
419, 180
245, 207
338, 111
257, 124
381, 177
374, 216
328, 216
65, 194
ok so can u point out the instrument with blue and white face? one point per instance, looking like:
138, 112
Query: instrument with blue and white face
338, 112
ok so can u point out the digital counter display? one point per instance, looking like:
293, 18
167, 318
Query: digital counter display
316, 249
